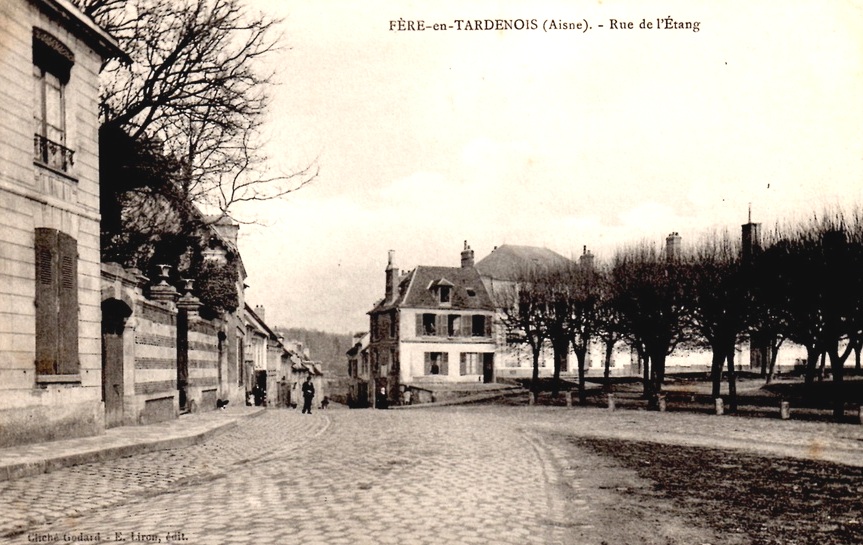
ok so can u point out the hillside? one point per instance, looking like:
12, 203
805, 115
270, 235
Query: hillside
328, 348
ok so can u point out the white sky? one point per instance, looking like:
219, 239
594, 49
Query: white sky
557, 139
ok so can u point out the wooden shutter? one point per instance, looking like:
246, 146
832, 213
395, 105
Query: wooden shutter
462, 369
466, 325
441, 325
487, 325
68, 304
427, 363
419, 325
46, 301
444, 364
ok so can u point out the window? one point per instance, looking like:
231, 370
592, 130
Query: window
445, 292
471, 363
428, 324
480, 326
56, 303
454, 325
436, 363
52, 63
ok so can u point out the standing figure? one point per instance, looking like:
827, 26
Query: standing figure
308, 394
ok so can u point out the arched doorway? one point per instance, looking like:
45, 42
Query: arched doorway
114, 314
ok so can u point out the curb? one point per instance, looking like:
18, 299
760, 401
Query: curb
462, 401
98, 453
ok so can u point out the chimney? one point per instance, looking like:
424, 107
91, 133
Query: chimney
672, 246
586, 259
259, 310
392, 275
466, 257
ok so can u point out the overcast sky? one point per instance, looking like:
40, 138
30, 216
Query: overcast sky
557, 139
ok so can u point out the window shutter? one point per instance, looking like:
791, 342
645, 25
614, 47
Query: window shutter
487, 320
463, 364
427, 363
444, 364
46, 301
440, 325
465, 325
419, 325
68, 314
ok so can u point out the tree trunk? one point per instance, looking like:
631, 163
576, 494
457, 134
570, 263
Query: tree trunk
581, 355
645, 368
763, 349
811, 366
659, 367
716, 372
606, 374
534, 381
857, 349
560, 350
732, 382
837, 366
774, 355
821, 366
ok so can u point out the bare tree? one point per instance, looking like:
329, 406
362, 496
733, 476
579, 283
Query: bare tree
522, 305
196, 85
718, 311
653, 301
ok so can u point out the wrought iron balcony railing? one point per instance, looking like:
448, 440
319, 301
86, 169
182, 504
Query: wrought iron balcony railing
52, 154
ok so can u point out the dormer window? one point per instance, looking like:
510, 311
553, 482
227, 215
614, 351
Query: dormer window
444, 293
441, 289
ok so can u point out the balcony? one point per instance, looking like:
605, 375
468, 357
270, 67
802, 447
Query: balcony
52, 154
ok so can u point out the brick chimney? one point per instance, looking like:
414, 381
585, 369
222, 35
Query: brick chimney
672, 246
466, 257
392, 275
259, 310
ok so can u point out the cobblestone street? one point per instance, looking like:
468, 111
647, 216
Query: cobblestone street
449, 475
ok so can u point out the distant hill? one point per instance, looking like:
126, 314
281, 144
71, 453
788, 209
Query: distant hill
328, 348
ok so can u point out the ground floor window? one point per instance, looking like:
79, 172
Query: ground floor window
436, 363
471, 363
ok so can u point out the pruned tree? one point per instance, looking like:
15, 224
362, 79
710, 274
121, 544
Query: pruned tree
653, 301
719, 304
522, 305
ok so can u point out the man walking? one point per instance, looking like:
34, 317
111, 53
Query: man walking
308, 395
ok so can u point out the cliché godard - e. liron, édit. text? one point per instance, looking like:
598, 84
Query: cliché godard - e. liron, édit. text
547, 25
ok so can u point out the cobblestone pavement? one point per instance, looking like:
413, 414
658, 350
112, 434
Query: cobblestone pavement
449, 475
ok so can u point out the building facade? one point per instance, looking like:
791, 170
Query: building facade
434, 324
50, 317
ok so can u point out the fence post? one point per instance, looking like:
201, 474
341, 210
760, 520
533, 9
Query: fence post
611, 406
784, 410
720, 406
661, 403
568, 398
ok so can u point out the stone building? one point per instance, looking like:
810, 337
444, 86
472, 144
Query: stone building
433, 325
50, 363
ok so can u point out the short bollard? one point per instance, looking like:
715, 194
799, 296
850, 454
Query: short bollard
569, 399
784, 410
610, 402
720, 406
531, 398
660, 403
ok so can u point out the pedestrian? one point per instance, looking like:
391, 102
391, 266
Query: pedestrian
308, 395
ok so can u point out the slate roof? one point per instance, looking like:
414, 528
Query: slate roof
414, 292
507, 262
